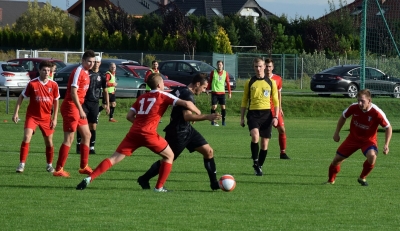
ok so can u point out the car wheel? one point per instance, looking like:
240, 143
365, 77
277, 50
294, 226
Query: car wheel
396, 92
351, 91
141, 91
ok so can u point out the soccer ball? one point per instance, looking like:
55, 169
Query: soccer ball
227, 183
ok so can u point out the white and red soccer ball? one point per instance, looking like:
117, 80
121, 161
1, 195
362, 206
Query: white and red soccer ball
227, 183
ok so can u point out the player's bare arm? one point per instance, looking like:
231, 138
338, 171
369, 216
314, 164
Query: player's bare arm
388, 137
107, 100
189, 116
131, 116
75, 99
17, 106
53, 123
341, 122
189, 105
242, 111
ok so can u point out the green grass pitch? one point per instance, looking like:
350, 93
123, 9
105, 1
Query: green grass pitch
290, 195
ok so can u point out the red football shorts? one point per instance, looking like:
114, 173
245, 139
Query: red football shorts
71, 117
350, 146
133, 141
44, 125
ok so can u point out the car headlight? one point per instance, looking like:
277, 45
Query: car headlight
166, 88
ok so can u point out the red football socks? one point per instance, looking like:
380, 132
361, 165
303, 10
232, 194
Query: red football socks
62, 156
333, 171
23, 153
163, 174
282, 142
49, 154
367, 168
101, 168
84, 149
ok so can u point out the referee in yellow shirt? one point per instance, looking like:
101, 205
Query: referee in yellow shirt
257, 99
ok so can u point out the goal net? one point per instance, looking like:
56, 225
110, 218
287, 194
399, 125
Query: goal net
380, 43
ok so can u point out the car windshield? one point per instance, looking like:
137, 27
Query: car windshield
202, 67
13, 68
336, 70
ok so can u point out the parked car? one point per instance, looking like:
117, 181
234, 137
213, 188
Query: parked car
184, 70
13, 75
346, 79
140, 72
125, 79
32, 64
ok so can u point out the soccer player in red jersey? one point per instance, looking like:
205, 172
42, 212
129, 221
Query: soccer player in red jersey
145, 115
269, 63
366, 117
74, 117
43, 96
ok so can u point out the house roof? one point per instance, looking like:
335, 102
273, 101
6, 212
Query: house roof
132, 7
10, 11
213, 8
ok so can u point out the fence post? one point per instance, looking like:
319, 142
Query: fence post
141, 62
17, 54
7, 99
184, 57
302, 73
66, 57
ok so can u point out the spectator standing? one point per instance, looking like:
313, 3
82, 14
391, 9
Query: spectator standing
111, 88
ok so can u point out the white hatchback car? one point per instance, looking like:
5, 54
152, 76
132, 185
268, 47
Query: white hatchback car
14, 76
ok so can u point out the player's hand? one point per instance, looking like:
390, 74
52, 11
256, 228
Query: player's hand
242, 123
385, 149
15, 118
336, 137
115, 84
53, 124
214, 116
82, 114
107, 110
230, 95
275, 121
281, 112
207, 92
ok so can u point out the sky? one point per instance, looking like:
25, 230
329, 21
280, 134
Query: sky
291, 8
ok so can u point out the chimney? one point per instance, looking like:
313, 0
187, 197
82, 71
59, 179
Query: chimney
164, 2
1, 15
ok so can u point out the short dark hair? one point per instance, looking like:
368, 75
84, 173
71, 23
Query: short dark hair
220, 61
200, 77
154, 61
45, 64
153, 80
88, 54
269, 60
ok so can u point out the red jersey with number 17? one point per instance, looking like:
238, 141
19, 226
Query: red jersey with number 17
79, 78
364, 125
41, 98
149, 108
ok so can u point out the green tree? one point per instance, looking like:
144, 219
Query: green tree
223, 44
283, 43
36, 18
93, 23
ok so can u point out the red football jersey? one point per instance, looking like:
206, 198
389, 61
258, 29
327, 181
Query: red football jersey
149, 109
364, 125
79, 78
278, 81
41, 96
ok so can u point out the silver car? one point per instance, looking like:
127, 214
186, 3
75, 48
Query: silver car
14, 76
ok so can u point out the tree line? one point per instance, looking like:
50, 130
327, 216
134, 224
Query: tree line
111, 28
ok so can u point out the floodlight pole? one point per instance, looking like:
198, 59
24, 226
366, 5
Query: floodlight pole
83, 26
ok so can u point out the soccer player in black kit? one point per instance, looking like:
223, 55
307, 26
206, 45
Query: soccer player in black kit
91, 104
180, 134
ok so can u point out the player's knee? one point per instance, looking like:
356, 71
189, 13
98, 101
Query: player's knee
209, 153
